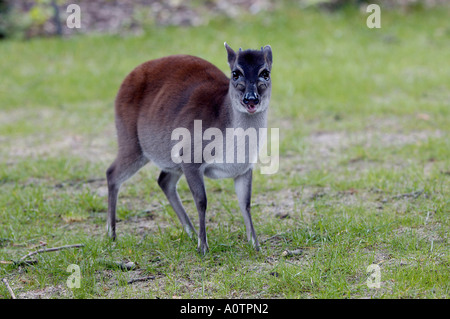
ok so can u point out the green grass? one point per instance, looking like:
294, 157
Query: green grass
364, 119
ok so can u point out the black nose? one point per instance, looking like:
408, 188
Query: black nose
251, 99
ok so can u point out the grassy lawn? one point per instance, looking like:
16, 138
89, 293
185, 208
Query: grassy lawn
364, 176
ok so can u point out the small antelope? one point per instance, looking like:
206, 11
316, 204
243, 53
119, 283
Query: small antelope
173, 92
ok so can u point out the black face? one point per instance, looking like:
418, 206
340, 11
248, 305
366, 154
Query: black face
250, 76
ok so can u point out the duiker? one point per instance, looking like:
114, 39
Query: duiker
172, 92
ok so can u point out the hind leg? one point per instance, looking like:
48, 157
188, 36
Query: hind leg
127, 163
168, 183
194, 178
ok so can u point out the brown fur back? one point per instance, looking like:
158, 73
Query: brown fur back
171, 92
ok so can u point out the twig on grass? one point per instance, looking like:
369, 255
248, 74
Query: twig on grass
25, 262
5, 281
140, 279
428, 215
44, 250
280, 235
117, 264
289, 253
412, 194
18, 263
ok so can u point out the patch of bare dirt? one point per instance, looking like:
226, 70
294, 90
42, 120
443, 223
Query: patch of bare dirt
50, 292
329, 144
92, 149
427, 233
329, 149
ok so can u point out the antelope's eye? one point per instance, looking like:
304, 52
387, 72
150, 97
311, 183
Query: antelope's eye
265, 75
236, 75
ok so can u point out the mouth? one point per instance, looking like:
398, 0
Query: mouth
250, 107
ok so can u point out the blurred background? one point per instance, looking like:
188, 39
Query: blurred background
331, 71
31, 18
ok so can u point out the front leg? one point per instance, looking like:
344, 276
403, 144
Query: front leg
243, 188
194, 178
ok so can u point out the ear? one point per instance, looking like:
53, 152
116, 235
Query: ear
231, 55
267, 50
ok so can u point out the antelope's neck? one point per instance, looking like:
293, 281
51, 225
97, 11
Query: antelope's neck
246, 120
